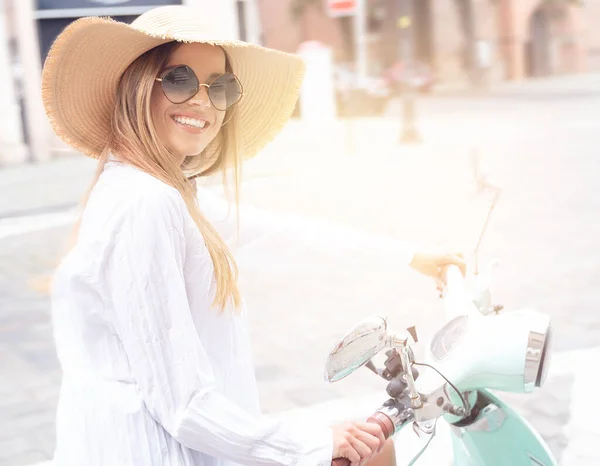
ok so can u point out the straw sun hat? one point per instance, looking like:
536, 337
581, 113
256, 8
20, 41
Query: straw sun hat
84, 65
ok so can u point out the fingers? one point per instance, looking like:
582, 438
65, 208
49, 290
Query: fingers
368, 440
352, 454
362, 441
453, 252
375, 435
455, 259
434, 264
343, 446
362, 449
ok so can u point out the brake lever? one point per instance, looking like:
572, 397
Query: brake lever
381, 373
431, 435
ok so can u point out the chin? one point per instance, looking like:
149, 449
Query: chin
192, 152
189, 150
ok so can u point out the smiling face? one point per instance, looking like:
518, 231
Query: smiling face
188, 128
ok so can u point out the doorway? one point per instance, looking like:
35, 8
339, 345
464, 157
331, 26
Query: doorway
538, 59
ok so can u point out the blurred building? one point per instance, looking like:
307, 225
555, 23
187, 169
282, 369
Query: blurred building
540, 38
457, 40
511, 39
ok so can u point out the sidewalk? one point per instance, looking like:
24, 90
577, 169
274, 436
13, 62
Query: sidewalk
54, 185
586, 82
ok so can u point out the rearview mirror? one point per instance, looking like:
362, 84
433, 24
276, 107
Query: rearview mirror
357, 348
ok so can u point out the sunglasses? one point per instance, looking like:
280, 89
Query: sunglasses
180, 83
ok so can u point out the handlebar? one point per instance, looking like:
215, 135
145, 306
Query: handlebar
387, 426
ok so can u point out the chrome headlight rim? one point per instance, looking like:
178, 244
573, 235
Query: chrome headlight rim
536, 357
545, 359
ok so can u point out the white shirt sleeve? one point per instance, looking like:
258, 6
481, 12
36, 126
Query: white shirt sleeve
259, 225
146, 287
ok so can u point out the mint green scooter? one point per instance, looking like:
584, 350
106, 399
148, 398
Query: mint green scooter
480, 348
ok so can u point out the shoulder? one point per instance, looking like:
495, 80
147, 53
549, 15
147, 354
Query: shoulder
137, 197
153, 195
141, 187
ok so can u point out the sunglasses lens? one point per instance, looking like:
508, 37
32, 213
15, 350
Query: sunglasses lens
225, 91
180, 84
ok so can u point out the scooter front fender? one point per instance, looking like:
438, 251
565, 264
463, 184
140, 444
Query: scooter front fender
498, 436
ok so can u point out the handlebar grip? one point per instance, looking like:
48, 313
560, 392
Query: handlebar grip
387, 426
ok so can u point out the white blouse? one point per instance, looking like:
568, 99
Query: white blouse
152, 375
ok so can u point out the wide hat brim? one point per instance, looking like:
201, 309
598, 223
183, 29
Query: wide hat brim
83, 68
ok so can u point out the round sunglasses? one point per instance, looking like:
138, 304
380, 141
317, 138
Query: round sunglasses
180, 83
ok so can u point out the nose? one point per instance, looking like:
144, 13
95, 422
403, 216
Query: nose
201, 98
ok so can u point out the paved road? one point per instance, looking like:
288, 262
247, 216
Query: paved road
302, 298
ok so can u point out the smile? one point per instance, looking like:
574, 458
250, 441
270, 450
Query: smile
190, 122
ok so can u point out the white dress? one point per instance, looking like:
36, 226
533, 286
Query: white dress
152, 375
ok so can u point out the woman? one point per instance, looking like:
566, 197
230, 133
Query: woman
150, 327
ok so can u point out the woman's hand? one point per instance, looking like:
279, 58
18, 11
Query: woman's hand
432, 262
357, 441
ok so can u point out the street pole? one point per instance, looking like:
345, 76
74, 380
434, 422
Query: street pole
12, 149
38, 127
253, 26
404, 24
360, 40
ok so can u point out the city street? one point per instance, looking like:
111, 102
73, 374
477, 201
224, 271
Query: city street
539, 140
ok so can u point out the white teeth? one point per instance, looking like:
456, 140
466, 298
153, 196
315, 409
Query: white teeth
190, 122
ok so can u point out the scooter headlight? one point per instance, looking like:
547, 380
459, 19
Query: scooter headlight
537, 359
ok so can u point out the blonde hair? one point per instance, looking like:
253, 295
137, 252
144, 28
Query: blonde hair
134, 140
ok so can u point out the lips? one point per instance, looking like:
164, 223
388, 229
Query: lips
189, 122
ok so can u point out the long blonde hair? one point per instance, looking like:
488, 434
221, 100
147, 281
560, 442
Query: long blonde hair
134, 140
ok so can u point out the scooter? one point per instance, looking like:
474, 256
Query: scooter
481, 347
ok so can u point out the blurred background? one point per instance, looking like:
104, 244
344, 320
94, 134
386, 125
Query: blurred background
399, 96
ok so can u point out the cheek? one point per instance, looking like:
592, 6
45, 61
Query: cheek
158, 104
218, 124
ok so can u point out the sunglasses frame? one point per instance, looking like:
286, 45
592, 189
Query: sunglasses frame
199, 85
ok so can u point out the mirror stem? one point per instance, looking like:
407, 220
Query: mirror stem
485, 224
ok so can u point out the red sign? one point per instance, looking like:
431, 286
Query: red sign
337, 8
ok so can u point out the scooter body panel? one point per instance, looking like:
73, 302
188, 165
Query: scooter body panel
498, 436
